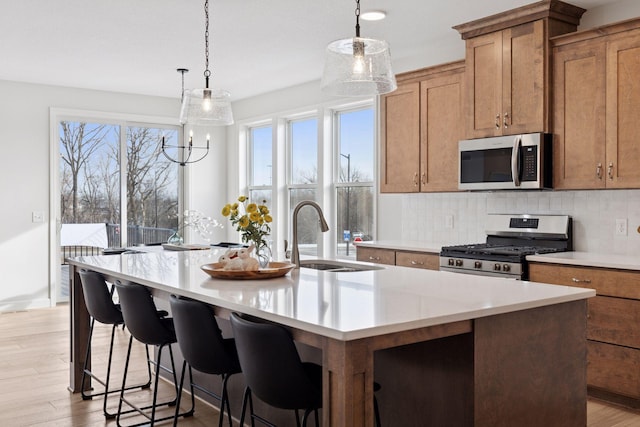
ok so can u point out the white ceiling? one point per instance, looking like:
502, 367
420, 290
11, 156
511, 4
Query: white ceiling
257, 46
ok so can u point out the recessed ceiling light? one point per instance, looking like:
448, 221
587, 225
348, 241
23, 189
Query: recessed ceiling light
373, 15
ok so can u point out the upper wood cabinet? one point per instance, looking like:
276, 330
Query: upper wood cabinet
420, 127
506, 82
507, 73
596, 99
400, 139
579, 113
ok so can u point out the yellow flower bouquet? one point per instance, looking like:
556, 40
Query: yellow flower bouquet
251, 220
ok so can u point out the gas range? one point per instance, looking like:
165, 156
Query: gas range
510, 238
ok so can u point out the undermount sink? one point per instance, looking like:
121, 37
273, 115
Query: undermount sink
336, 266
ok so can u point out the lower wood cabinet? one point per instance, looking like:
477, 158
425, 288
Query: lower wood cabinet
380, 256
424, 260
418, 260
613, 327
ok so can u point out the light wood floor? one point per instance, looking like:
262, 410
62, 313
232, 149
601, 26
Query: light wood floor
34, 375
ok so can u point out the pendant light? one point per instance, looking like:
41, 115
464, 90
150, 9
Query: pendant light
206, 107
184, 152
358, 66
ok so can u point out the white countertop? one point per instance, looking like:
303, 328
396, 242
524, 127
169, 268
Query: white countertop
343, 306
590, 259
402, 245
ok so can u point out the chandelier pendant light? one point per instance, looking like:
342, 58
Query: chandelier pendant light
358, 66
184, 152
206, 107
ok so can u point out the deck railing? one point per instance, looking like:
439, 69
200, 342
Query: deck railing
137, 235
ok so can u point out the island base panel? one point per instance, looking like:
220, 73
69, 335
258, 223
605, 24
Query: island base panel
427, 384
530, 367
79, 326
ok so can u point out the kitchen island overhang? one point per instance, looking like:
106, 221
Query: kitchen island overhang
352, 315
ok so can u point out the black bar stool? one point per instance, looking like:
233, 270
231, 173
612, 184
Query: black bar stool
274, 372
203, 349
144, 323
101, 308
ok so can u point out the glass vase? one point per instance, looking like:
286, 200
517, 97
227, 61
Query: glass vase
263, 254
175, 239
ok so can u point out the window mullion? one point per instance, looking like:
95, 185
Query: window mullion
123, 163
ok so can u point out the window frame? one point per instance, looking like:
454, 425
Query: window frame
289, 186
337, 164
328, 167
57, 115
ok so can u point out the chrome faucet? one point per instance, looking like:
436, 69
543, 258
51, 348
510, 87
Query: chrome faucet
295, 255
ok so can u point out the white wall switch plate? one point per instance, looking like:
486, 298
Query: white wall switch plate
37, 216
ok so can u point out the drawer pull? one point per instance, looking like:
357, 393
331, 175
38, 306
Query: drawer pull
416, 263
574, 280
374, 258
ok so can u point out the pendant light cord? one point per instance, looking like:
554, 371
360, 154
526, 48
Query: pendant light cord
357, 18
207, 73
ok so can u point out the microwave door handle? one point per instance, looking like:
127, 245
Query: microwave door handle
515, 161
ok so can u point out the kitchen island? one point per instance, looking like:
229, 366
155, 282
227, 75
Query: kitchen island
500, 352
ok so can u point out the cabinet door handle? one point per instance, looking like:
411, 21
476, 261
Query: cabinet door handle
424, 178
415, 179
498, 121
374, 258
416, 262
610, 171
506, 120
574, 280
599, 171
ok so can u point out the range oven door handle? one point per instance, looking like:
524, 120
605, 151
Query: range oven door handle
515, 161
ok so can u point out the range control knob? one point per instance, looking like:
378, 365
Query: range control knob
496, 267
450, 261
458, 263
506, 267
477, 264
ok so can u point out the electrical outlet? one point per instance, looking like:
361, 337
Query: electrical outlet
621, 227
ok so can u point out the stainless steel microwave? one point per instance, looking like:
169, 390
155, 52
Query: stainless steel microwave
505, 163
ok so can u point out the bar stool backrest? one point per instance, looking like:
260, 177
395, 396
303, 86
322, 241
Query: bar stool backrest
200, 338
141, 317
272, 367
98, 300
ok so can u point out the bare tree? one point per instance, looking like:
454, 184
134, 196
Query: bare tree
78, 142
148, 175
109, 177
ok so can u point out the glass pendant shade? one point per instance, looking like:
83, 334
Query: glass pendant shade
358, 67
206, 107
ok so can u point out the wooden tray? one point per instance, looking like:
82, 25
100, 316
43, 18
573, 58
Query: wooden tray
274, 269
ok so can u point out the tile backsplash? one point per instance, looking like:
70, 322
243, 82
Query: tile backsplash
453, 218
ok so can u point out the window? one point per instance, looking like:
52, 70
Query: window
354, 158
326, 156
261, 164
92, 168
303, 179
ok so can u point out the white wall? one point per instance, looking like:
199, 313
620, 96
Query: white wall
206, 186
616, 11
24, 177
